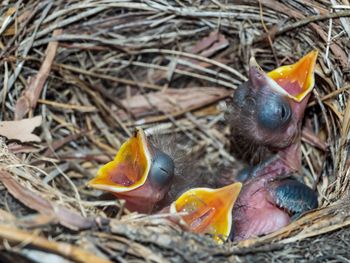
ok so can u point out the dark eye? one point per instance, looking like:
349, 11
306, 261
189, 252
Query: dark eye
274, 113
243, 99
162, 169
240, 94
249, 104
284, 112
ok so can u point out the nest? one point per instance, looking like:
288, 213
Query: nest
87, 72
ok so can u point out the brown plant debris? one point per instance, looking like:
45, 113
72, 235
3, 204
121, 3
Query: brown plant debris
21, 130
90, 71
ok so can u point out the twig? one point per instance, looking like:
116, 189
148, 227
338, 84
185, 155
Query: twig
194, 56
15, 236
267, 32
302, 23
64, 216
27, 44
30, 96
80, 108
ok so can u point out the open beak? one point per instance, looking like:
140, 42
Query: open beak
129, 169
139, 174
208, 210
296, 80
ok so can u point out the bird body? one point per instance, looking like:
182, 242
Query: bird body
270, 197
267, 113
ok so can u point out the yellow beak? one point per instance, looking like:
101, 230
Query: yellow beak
129, 169
208, 210
297, 79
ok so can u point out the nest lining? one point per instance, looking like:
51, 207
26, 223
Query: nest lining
110, 63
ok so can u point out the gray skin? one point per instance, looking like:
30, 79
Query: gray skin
293, 195
162, 169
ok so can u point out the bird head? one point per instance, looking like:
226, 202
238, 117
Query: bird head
267, 110
140, 174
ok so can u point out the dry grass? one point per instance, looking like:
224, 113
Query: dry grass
96, 69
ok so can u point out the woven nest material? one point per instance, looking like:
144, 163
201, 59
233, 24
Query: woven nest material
90, 71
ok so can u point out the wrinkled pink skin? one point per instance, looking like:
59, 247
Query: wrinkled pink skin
143, 199
255, 212
291, 155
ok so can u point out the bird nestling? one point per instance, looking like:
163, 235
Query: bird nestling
149, 173
265, 117
270, 198
141, 174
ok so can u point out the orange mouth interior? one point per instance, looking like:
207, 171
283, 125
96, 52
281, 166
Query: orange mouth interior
128, 170
297, 79
209, 210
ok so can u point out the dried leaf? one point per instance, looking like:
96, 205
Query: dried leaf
205, 47
205, 43
21, 130
172, 101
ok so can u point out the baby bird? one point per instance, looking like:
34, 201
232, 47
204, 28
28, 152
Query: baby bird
141, 174
266, 116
